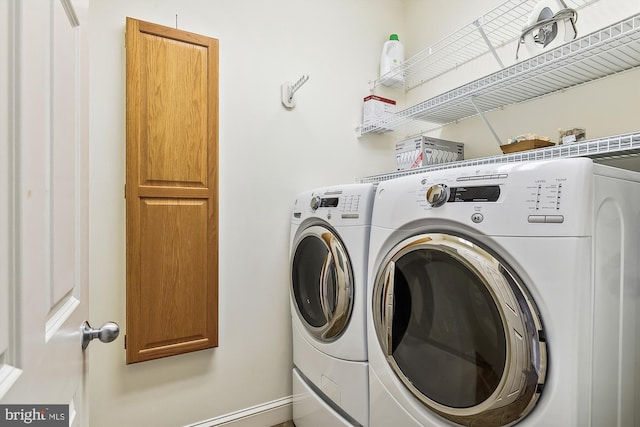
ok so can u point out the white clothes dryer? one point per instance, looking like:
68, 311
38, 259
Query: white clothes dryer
329, 252
506, 294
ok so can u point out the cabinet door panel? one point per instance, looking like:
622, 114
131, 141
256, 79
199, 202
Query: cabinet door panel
172, 206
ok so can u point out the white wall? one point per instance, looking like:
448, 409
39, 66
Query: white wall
267, 155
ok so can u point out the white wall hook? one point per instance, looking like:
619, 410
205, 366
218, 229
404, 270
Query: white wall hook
288, 91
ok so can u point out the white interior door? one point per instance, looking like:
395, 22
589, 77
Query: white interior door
43, 204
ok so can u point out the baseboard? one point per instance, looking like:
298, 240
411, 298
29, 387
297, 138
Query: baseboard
266, 414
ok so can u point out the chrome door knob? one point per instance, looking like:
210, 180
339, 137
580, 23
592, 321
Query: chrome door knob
107, 333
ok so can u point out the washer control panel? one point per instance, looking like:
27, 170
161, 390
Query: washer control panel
541, 198
351, 202
544, 196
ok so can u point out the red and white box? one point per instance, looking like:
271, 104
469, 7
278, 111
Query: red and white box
377, 110
425, 151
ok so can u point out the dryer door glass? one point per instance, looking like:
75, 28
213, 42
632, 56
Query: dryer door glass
458, 330
321, 283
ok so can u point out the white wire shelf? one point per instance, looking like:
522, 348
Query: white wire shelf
484, 35
609, 51
607, 148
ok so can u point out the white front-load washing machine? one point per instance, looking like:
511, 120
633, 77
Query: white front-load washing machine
506, 294
329, 252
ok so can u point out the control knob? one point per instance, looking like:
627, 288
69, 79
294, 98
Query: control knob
437, 195
315, 202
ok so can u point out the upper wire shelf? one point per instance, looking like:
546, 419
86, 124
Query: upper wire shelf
608, 51
489, 32
606, 148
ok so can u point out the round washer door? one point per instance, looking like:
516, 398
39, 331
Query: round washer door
459, 330
322, 282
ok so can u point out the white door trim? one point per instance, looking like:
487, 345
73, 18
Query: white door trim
8, 374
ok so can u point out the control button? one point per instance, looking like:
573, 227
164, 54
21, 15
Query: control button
503, 175
315, 202
536, 219
350, 216
555, 219
437, 195
462, 178
477, 218
477, 177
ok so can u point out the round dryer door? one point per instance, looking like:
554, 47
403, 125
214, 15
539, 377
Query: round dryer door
322, 282
459, 330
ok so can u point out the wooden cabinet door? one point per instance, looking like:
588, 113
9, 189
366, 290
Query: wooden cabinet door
171, 191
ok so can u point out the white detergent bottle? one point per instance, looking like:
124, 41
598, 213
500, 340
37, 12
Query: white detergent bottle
391, 73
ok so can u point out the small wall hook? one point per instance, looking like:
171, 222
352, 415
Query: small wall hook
288, 90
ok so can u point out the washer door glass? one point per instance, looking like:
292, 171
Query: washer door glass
322, 282
459, 330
